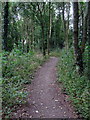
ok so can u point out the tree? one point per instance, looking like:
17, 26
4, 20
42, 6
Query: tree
50, 28
84, 35
89, 40
6, 22
67, 26
78, 53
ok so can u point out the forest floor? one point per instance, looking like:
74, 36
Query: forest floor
46, 99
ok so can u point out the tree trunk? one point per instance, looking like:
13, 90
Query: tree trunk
28, 40
23, 44
43, 41
84, 39
28, 45
89, 40
78, 53
32, 33
6, 21
50, 26
64, 22
67, 27
63, 9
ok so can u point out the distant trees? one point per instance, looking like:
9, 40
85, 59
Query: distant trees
33, 25
45, 26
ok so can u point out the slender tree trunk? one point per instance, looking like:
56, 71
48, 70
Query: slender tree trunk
89, 40
50, 27
23, 33
82, 20
23, 45
0, 37
43, 41
33, 31
6, 21
32, 34
63, 9
64, 22
43, 23
75, 9
28, 45
27, 37
67, 27
78, 53
84, 39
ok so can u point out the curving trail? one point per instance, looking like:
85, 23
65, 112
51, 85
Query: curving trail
46, 99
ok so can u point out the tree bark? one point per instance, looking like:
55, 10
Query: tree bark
6, 21
27, 34
43, 41
84, 39
50, 27
67, 27
64, 23
89, 40
42, 22
78, 53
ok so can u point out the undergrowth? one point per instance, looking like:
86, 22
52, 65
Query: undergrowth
55, 52
17, 70
75, 85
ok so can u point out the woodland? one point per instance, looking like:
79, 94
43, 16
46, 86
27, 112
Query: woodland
31, 33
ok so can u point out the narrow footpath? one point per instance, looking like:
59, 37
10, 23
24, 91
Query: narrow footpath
45, 99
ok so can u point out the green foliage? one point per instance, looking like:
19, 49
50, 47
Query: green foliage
75, 85
55, 52
17, 70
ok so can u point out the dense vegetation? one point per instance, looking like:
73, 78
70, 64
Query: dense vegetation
17, 71
33, 31
75, 85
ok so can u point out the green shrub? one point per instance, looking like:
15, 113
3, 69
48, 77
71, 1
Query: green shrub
75, 85
55, 52
17, 70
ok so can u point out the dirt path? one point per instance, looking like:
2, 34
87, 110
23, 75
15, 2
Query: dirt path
46, 99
